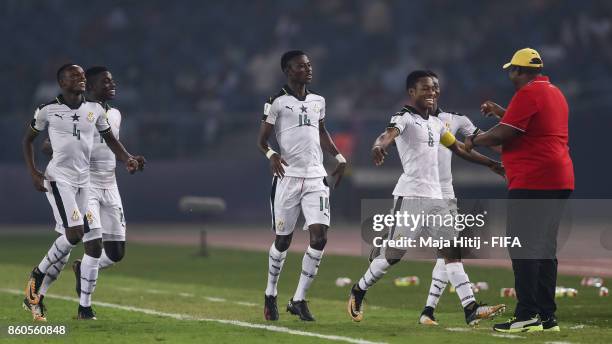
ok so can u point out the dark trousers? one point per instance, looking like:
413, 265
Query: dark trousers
534, 217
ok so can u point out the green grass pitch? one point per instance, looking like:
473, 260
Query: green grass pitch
178, 297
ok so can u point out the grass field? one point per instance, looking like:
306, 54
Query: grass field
167, 294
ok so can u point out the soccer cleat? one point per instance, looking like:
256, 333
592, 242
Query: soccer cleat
550, 325
33, 286
38, 310
270, 308
355, 307
86, 313
475, 312
514, 325
427, 317
300, 308
76, 267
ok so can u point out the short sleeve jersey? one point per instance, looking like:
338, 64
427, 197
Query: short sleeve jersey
71, 132
296, 123
418, 147
455, 123
103, 160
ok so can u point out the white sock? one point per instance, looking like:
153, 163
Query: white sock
60, 248
459, 279
376, 270
53, 273
310, 266
89, 276
105, 261
276, 259
439, 280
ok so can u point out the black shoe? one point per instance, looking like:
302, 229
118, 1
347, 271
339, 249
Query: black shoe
427, 317
474, 312
33, 286
514, 325
551, 325
355, 307
86, 313
300, 308
76, 267
270, 308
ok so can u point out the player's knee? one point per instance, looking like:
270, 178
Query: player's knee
282, 242
93, 248
318, 242
393, 261
74, 235
115, 250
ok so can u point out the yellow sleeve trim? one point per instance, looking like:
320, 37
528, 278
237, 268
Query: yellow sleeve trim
447, 139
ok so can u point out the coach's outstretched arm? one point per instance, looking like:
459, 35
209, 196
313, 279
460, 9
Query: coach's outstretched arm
276, 162
38, 178
328, 145
473, 156
490, 108
379, 149
133, 163
493, 137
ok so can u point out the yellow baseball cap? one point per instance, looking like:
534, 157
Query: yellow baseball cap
525, 58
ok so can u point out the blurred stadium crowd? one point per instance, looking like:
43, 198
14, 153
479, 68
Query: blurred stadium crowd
193, 75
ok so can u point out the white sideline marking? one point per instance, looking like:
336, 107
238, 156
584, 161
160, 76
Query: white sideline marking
558, 343
178, 316
458, 329
509, 336
186, 295
214, 299
248, 304
577, 327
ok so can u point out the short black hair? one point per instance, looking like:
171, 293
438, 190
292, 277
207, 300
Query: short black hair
432, 74
288, 56
61, 70
93, 71
414, 77
527, 70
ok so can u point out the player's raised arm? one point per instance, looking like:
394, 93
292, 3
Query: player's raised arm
132, 163
328, 145
449, 141
379, 149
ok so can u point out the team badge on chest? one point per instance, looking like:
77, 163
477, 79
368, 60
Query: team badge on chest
90, 116
317, 108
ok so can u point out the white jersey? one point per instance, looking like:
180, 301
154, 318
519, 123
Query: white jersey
455, 123
71, 132
418, 147
103, 160
296, 122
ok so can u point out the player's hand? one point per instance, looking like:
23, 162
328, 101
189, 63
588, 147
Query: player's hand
276, 165
141, 162
468, 143
498, 168
38, 178
132, 165
338, 173
490, 108
378, 155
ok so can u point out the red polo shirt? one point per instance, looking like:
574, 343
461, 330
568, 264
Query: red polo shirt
539, 158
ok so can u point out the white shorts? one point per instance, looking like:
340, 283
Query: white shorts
105, 211
428, 226
290, 195
69, 203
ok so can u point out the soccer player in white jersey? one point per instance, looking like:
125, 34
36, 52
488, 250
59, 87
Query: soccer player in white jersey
71, 121
454, 123
297, 115
418, 137
105, 209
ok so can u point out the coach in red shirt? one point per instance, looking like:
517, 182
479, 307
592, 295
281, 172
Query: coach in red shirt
533, 133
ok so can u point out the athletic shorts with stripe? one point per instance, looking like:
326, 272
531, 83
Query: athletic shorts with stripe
69, 203
105, 211
290, 195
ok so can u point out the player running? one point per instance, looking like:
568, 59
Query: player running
454, 123
418, 136
297, 115
71, 121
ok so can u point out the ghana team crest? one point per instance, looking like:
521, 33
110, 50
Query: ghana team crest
76, 215
90, 218
90, 116
317, 108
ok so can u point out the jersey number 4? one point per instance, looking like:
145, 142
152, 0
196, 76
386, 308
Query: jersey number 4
76, 132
